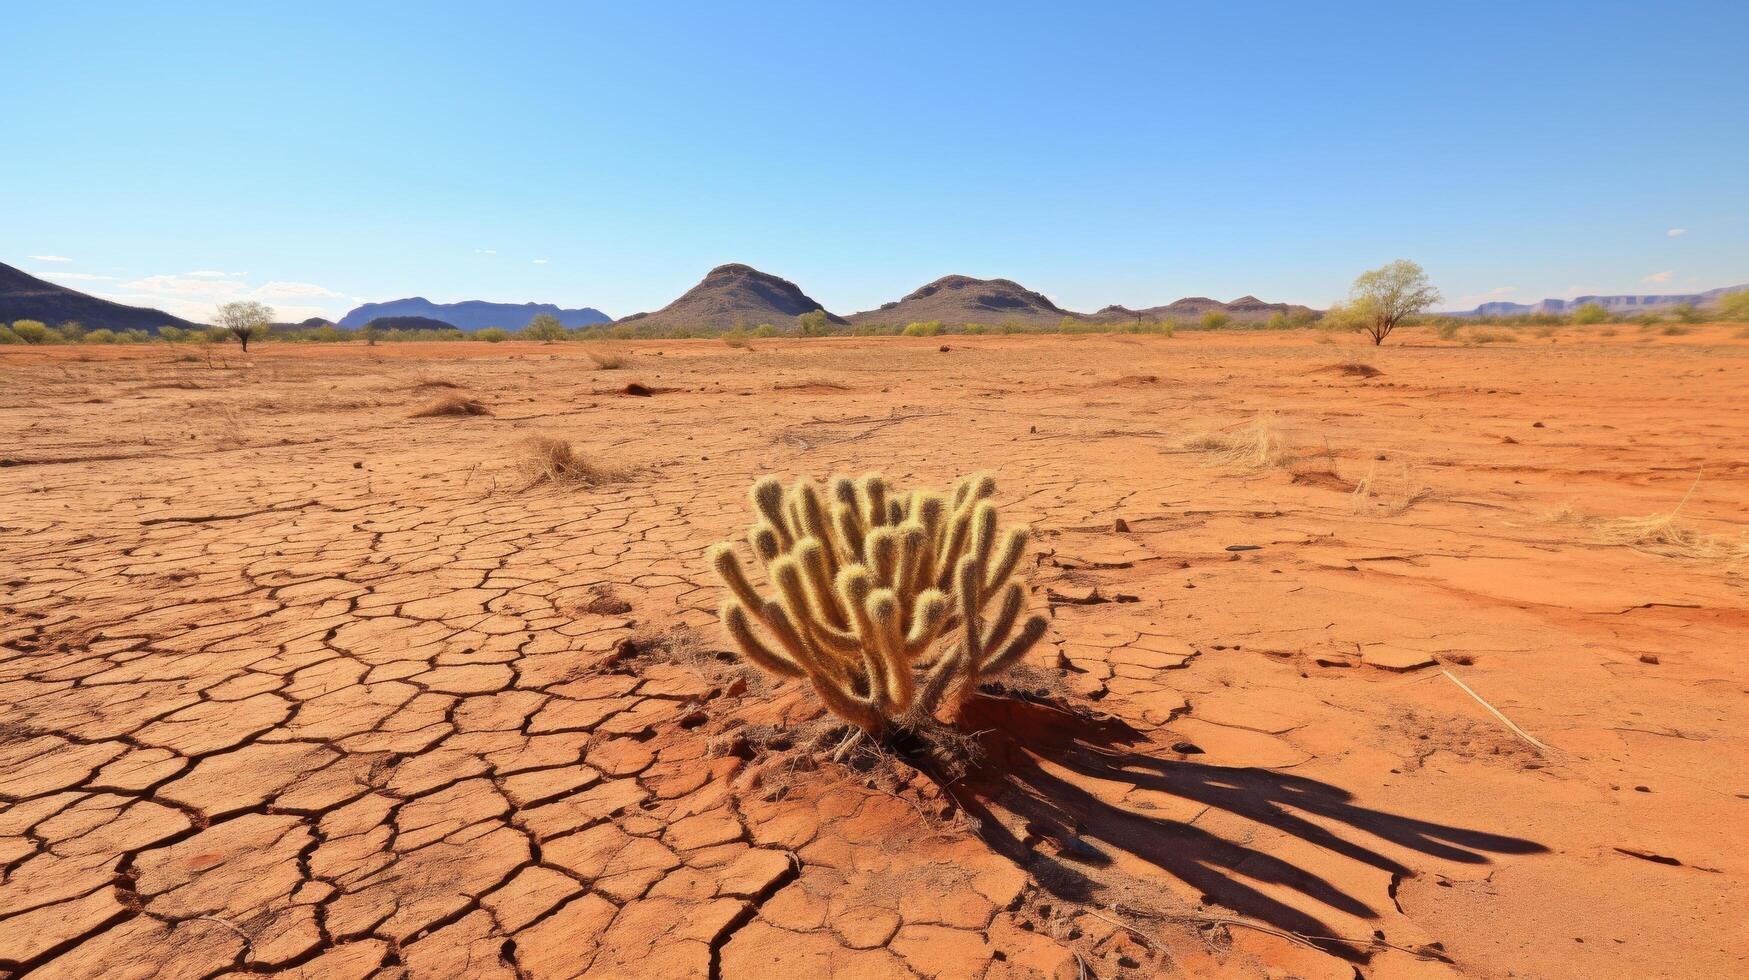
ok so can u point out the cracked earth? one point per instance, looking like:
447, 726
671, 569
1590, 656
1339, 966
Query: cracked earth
294, 684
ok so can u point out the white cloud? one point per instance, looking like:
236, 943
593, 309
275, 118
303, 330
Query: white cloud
295, 290
1659, 277
79, 276
1676, 233
196, 295
50, 258
540, 261
485, 251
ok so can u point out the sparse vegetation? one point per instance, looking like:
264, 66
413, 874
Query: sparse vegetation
927, 328
1734, 306
31, 331
545, 328
452, 404
550, 461
881, 597
1668, 535
1214, 320
1385, 296
607, 360
1590, 313
1254, 447
245, 320
813, 324
493, 335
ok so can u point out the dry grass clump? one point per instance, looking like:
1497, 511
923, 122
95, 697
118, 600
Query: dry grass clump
1390, 493
1490, 337
450, 405
547, 460
607, 360
1667, 535
424, 380
1258, 446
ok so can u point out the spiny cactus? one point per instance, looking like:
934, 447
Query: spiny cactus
881, 597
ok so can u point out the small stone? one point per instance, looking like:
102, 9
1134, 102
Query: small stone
1120, 526
1649, 658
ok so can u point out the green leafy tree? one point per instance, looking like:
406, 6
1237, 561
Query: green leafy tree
1392, 293
813, 324
545, 328
244, 320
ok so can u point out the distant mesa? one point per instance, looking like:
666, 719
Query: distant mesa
963, 299
25, 297
734, 295
1624, 303
473, 314
410, 323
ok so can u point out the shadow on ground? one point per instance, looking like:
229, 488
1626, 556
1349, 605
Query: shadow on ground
1010, 788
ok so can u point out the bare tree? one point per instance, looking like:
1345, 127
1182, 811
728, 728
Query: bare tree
1390, 293
245, 319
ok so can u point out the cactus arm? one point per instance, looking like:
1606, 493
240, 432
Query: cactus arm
741, 629
873, 490
883, 614
728, 568
1030, 633
1007, 557
768, 497
1012, 597
817, 575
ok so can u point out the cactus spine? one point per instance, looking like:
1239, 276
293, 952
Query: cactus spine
882, 599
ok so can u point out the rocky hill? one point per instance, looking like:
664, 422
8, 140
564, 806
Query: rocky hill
1245, 308
25, 297
962, 299
473, 314
731, 295
410, 323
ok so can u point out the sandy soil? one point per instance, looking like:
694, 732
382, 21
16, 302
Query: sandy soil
291, 681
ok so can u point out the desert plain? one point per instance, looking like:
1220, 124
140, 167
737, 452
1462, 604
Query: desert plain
1356, 666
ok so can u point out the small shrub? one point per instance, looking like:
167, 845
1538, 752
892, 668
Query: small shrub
974, 329
813, 324
606, 360
8, 337
1490, 337
100, 336
1734, 306
1214, 320
493, 335
1591, 313
450, 405
31, 331
765, 330
1448, 329
546, 460
1675, 330
1686, 313
1258, 446
545, 328
925, 328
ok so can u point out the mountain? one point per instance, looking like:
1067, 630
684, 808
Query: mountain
962, 299
473, 314
410, 323
1246, 308
25, 297
734, 294
1623, 303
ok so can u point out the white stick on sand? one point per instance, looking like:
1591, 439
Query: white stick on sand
1521, 733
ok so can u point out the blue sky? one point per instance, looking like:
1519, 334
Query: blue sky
318, 154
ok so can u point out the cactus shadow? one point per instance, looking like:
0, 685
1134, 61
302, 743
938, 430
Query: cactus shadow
1019, 796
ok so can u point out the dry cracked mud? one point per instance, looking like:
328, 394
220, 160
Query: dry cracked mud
294, 684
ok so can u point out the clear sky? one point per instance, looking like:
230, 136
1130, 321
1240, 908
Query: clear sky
316, 154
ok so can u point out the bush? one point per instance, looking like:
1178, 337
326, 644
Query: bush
72, 331
31, 331
923, 328
8, 337
1448, 329
172, 335
100, 336
1675, 330
493, 335
135, 336
1214, 320
545, 328
974, 329
813, 324
1688, 314
765, 330
1591, 313
1734, 306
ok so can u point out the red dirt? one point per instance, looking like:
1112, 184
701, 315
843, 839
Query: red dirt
292, 683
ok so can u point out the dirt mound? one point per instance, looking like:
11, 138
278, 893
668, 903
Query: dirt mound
734, 295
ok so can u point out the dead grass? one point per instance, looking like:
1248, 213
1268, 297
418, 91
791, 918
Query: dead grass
1351, 369
1258, 446
1390, 490
548, 460
450, 405
607, 360
1666, 535
423, 380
